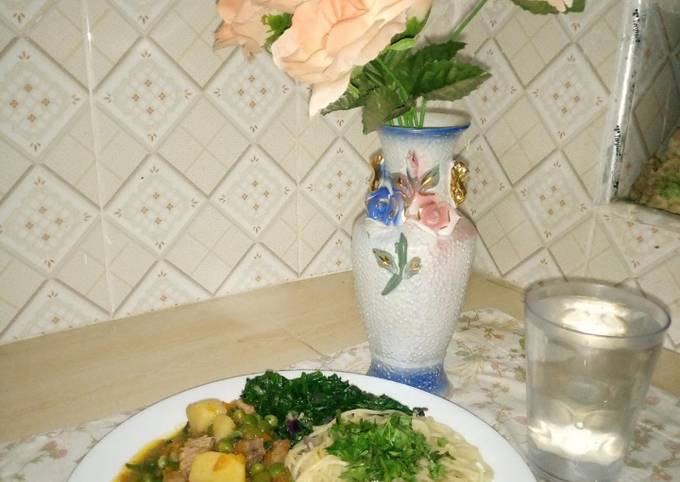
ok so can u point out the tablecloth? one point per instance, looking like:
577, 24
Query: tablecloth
486, 363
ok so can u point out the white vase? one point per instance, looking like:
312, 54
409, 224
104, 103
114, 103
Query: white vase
411, 269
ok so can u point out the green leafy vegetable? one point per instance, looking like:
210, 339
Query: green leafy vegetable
312, 399
670, 187
383, 452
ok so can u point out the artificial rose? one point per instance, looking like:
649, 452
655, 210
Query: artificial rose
287, 6
242, 24
435, 215
561, 5
328, 38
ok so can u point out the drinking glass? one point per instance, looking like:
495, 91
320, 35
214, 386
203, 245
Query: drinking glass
591, 351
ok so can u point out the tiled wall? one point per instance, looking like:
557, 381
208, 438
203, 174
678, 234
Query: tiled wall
145, 169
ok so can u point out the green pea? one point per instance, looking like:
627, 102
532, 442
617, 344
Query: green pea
276, 469
261, 477
272, 420
225, 445
250, 432
257, 468
263, 425
237, 416
235, 435
250, 419
162, 461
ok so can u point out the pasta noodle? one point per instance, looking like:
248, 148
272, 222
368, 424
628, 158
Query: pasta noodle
308, 461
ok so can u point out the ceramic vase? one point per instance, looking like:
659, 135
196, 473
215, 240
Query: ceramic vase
412, 254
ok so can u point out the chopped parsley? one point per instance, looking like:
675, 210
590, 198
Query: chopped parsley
383, 452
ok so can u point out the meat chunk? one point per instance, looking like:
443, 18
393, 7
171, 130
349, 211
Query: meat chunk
191, 449
277, 455
253, 449
173, 476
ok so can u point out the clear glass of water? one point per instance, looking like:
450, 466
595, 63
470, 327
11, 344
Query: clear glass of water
591, 351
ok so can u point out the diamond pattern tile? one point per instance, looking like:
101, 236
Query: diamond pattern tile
530, 42
657, 111
43, 219
84, 269
577, 23
567, 94
654, 48
254, 191
147, 92
204, 146
495, 15
19, 13
18, 282
209, 248
251, 93
508, 234
258, 268
601, 45
486, 183
314, 229
587, 252
584, 152
520, 140
663, 282
641, 245
339, 180
120, 153
281, 236
334, 257
14, 164
144, 13
483, 263
37, 98
53, 308
553, 197
536, 269
155, 204
128, 262
186, 34
496, 94
163, 287
72, 156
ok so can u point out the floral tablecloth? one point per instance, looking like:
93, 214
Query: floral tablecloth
486, 363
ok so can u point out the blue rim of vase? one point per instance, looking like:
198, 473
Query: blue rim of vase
425, 131
430, 379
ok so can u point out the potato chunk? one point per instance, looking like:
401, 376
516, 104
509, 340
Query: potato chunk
218, 467
222, 425
201, 414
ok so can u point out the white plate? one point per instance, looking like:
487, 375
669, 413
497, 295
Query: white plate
107, 458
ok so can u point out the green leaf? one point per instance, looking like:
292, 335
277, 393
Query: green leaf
401, 248
413, 268
383, 104
391, 284
413, 28
451, 80
385, 260
430, 179
403, 44
277, 25
541, 7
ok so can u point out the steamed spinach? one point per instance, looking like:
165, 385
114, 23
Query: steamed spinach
310, 400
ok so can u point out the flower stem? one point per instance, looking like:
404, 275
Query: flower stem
423, 106
472, 14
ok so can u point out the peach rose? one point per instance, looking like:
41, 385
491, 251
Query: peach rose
561, 5
435, 216
328, 38
242, 25
287, 6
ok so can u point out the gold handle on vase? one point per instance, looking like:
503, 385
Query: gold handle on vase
376, 164
459, 172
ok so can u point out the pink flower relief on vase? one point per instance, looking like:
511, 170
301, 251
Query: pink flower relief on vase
435, 215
